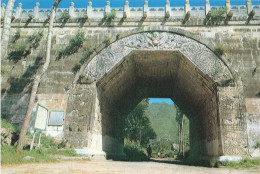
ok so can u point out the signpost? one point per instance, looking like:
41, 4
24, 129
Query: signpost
40, 122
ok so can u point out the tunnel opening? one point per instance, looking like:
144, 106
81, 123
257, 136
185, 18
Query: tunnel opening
160, 124
160, 74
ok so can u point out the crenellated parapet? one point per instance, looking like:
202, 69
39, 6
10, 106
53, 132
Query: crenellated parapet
236, 11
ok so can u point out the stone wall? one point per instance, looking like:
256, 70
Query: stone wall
58, 88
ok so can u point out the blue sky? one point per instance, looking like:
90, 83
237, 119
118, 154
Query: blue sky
27, 4
160, 100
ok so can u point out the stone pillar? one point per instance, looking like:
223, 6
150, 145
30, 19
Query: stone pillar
232, 122
3, 10
167, 9
36, 10
228, 8
82, 126
72, 10
89, 12
18, 11
187, 7
7, 26
146, 9
249, 6
207, 7
126, 9
107, 9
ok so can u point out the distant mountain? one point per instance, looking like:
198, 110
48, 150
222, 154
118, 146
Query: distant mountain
162, 117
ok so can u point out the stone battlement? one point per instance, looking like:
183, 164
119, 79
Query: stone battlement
233, 12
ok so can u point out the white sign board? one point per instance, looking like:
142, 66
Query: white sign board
41, 117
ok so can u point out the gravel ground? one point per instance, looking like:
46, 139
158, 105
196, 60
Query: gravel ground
115, 167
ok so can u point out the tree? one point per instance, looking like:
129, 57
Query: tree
180, 120
6, 27
138, 126
37, 79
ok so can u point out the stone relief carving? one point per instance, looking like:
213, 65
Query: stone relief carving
197, 53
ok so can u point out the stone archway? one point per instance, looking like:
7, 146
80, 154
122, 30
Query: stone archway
201, 56
200, 67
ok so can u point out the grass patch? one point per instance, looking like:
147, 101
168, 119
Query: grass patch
243, 164
5, 124
9, 155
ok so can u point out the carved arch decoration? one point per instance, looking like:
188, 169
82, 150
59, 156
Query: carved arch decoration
200, 55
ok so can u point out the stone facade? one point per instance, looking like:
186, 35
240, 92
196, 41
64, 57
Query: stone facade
220, 94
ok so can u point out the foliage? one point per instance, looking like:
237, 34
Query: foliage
19, 51
163, 145
257, 146
5, 124
220, 50
16, 35
134, 152
106, 41
243, 164
163, 120
217, 15
23, 48
35, 38
111, 16
64, 16
138, 126
74, 45
17, 85
85, 57
49, 142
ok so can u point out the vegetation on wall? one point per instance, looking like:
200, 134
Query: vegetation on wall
106, 41
35, 39
217, 15
111, 16
84, 58
16, 35
18, 85
23, 48
64, 16
220, 50
74, 45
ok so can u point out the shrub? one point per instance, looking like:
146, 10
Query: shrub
219, 50
106, 41
78, 65
74, 45
64, 16
20, 50
35, 38
217, 15
134, 152
111, 16
5, 124
16, 35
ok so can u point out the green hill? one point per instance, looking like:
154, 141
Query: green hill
162, 117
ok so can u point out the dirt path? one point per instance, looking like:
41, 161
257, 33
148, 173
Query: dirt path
112, 167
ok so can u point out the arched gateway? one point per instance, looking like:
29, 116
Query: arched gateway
164, 65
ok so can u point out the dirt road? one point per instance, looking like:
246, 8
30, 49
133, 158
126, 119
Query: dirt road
114, 167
